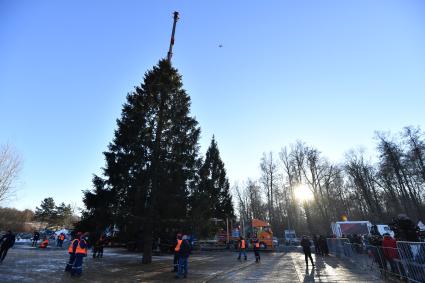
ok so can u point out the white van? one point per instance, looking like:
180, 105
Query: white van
384, 229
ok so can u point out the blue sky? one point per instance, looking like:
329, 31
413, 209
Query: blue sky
326, 72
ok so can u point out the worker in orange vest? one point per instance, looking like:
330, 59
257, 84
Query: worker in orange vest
257, 250
242, 248
60, 239
44, 244
176, 252
71, 250
80, 253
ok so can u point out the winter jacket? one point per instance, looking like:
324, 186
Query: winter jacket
184, 249
8, 240
305, 243
389, 246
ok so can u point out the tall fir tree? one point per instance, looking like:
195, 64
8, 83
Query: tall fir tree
211, 198
152, 159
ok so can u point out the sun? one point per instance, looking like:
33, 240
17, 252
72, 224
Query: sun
303, 193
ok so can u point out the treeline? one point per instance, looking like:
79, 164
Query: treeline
15, 220
47, 215
359, 188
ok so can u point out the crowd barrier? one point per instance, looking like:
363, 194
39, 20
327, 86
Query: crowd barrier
406, 262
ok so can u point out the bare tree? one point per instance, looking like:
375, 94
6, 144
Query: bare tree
362, 176
269, 180
10, 166
394, 165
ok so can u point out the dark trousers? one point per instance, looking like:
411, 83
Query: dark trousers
242, 251
182, 271
317, 249
3, 252
307, 255
176, 261
70, 263
257, 255
100, 252
77, 268
97, 251
393, 265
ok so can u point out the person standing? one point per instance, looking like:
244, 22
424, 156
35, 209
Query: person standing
306, 244
257, 250
58, 240
317, 249
102, 243
61, 239
242, 248
176, 252
6, 242
389, 247
98, 247
35, 238
184, 253
323, 245
71, 250
80, 253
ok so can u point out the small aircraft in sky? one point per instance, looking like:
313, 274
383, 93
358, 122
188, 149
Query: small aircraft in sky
220, 46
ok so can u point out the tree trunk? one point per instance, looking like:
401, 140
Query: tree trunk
147, 241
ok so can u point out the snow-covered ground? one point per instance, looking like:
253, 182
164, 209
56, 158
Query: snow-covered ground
25, 264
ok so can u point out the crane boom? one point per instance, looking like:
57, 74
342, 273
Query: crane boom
170, 50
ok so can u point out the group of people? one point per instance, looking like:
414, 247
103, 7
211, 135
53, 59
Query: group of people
242, 245
384, 249
78, 248
320, 245
320, 248
36, 238
181, 256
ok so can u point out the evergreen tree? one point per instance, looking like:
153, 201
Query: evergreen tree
64, 214
47, 211
99, 203
212, 198
53, 214
152, 159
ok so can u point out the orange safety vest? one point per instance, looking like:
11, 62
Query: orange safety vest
179, 243
62, 237
242, 244
70, 248
257, 245
81, 250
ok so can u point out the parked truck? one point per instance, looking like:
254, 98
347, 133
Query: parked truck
263, 232
345, 228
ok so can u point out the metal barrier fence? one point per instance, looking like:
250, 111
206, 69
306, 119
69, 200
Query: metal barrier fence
412, 255
406, 262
